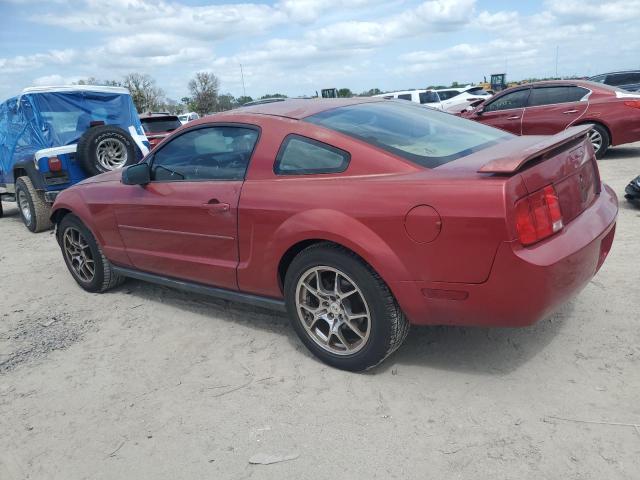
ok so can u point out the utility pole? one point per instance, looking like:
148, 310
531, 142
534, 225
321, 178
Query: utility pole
244, 91
557, 51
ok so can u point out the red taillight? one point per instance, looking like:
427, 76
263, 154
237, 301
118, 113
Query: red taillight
55, 165
538, 216
632, 103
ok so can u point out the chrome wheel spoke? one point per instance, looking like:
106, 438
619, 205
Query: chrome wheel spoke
327, 301
78, 254
338, 333
111, 154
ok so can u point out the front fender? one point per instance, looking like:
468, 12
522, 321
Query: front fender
72, 200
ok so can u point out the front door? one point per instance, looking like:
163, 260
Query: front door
184, 223
504, 111
552, 109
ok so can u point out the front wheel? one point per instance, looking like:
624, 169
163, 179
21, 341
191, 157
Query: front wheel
341, 309
84, 257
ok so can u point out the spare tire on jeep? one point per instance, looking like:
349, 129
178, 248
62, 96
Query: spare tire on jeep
105, 148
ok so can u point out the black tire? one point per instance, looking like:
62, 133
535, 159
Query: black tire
606, 140
37, 219
388, 325
92, 140
104, 276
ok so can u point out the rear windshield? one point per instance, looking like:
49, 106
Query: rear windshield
424, 136
160, 124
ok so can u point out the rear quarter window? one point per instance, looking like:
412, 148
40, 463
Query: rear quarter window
300, 155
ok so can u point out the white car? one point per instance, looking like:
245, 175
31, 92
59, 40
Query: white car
188, 117
452, 100
423, 97
456, 100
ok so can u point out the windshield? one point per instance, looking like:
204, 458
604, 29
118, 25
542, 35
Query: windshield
65, 116
160, 124
422, 135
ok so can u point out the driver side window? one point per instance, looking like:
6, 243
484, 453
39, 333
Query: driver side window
210, 153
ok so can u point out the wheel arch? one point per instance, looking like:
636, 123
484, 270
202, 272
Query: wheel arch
361, 241
599, 123
69, 202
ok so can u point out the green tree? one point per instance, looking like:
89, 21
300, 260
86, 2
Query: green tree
345, 93
204, 92
273, 95
244, 99
226, 101
146, 96
371, 92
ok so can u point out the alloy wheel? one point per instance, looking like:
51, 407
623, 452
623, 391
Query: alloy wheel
78, 253
111, 153
333, 310
596, 139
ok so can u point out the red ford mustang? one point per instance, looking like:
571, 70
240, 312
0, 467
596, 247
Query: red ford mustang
358, 216
546, 108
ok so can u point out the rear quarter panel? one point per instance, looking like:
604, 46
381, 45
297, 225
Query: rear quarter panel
364, 209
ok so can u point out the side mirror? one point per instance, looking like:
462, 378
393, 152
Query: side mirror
138, 174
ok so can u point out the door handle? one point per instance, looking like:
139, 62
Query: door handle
216, 206
570, 111
516, 117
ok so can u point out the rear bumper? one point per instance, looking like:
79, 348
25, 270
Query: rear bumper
525, 284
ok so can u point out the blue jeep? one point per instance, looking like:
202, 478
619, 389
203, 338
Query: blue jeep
54, 137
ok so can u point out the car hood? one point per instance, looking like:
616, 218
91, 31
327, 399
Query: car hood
113, 176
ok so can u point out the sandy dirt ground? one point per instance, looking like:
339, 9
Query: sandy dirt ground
145, 382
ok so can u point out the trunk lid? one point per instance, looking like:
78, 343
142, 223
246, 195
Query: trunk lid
566, 161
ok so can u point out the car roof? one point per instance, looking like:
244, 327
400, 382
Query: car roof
75, 88
402, 92
146, 116
299, 108
613, 73
560, 83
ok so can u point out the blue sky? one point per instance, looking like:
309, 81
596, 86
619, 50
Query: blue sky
297, 47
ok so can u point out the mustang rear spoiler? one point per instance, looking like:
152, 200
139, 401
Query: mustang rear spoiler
512, 161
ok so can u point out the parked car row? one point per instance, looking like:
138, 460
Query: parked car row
272, 204
452, 100
546, 108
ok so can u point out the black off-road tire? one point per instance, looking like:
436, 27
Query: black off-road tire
389, 326
40, 210
105, 277
87, 151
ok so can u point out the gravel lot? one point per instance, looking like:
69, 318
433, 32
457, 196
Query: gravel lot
145, 382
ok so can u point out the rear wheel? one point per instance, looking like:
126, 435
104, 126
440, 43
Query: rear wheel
84, 257
341, 309
33, 209
599, 138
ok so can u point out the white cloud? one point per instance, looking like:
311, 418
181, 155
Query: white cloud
296, 45
21, 63
575, 11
